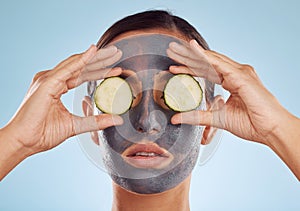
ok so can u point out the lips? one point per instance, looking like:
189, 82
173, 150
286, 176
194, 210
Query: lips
147, 155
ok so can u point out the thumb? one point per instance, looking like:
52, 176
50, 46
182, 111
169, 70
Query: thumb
215, 116
94, 123
196, 117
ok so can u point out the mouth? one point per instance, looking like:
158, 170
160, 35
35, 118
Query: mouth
147, 155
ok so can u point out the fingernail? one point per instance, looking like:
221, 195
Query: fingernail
117, 69
114, 72
175, 119
89, 53
173, 44
112, 48
194, 41
91, 47
119, 51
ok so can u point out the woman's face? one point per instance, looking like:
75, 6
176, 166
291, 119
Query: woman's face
148, 154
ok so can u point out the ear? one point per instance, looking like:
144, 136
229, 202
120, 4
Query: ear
88, 110
209, 131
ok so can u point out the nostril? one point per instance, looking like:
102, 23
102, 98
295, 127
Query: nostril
140, 129
150, 132
153, 123
154, 131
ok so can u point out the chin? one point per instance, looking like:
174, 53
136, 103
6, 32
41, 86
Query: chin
162, 182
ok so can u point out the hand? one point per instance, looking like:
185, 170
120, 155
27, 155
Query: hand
251, 112
42, 121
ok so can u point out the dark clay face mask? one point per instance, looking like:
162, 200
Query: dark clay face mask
147, 154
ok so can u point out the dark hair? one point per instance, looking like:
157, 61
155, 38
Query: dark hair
152, 19
156, 19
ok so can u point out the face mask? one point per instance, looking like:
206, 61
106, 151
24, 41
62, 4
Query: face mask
147, 154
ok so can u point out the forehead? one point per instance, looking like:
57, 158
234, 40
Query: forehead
145, 44
143, 62
145, 68
144, 52
160, 31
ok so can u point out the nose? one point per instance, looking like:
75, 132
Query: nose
148, 118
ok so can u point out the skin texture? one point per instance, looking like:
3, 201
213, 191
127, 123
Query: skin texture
173, 199
249, 107
151, 122
254, 115
43, 120
183, 141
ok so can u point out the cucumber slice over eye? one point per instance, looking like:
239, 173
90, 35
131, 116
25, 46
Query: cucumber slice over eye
182, 93
113, 95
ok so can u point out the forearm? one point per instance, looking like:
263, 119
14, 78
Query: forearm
11, 153
285, 142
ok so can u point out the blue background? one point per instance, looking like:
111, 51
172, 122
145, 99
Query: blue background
36, 35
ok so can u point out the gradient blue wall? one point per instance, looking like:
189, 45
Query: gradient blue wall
36, 35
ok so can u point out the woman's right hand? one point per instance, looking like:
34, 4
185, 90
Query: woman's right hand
42, 121
251, 111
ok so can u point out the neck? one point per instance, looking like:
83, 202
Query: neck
174, 199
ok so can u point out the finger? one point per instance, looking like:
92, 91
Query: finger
234, 77
222, 66
39, 75
225, 58
77, 62
198, 117
207, 54
55, 81
101, 74
95, 123
213, 75
180, 49
181, 69
93, 76
193, 51
99, 64
197, 49
97, 70
198, 67
221, 63
104, 53
66, 62
209, 75
188, 61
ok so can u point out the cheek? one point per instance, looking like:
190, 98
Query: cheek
115, 141
180, 140
148, 121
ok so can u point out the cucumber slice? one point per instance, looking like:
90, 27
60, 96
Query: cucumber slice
182, 93
113, 95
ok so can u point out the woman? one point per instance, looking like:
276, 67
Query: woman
252, 113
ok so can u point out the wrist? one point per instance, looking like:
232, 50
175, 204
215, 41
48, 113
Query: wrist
11, 152
12, 143
285, 131
285, 141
